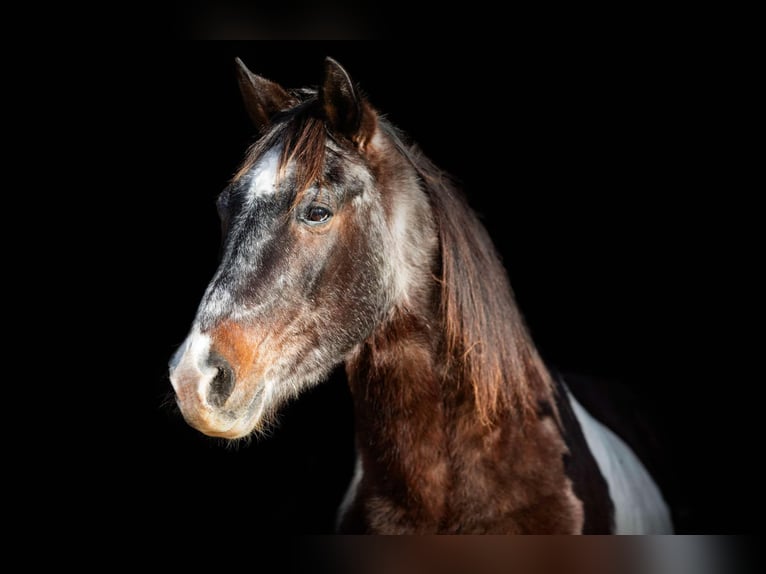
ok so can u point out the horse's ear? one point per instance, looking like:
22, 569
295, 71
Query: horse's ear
262, 97
345, 110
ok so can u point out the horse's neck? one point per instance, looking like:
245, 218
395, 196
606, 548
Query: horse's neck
420, 441
400, 415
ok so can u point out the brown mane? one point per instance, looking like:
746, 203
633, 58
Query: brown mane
496, 356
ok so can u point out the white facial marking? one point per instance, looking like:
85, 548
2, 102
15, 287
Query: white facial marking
639, 507
190, 362
263, 176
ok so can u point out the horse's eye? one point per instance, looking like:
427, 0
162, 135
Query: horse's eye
317, 214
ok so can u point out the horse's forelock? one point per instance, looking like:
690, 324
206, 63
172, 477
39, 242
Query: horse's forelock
301, 135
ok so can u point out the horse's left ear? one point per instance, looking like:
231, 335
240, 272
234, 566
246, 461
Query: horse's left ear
346, 111
263, 98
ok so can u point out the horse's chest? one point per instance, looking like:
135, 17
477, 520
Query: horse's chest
524, 489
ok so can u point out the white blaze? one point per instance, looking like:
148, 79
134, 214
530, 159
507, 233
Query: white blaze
263, 176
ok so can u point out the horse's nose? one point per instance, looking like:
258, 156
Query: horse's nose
223, 383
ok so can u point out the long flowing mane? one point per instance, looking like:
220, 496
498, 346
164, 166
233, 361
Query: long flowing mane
488, 342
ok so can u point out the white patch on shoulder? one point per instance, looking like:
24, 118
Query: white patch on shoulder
263, 175
639, 506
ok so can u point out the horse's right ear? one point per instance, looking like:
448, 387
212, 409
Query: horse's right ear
347, 113
263, 98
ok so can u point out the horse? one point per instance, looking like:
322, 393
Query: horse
343, 245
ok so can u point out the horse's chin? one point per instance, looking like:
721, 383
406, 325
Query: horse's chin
236, 432
225, 423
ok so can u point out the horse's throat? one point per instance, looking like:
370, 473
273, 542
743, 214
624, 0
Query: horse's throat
401, 425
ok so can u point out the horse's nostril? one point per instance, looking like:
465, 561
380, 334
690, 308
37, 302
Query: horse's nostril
222, 384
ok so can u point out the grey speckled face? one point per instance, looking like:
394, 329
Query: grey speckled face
326, 228
304, 277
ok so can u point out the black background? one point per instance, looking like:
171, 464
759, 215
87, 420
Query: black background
591, 172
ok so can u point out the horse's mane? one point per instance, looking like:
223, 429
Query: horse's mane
487, 341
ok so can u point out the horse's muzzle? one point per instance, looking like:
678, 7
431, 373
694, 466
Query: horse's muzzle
203, 382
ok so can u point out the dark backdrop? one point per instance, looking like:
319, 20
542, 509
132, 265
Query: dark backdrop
588, 170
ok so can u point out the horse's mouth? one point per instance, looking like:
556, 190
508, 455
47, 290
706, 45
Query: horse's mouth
256, 406
229, 424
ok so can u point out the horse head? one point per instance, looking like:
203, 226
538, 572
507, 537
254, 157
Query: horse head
323, 231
